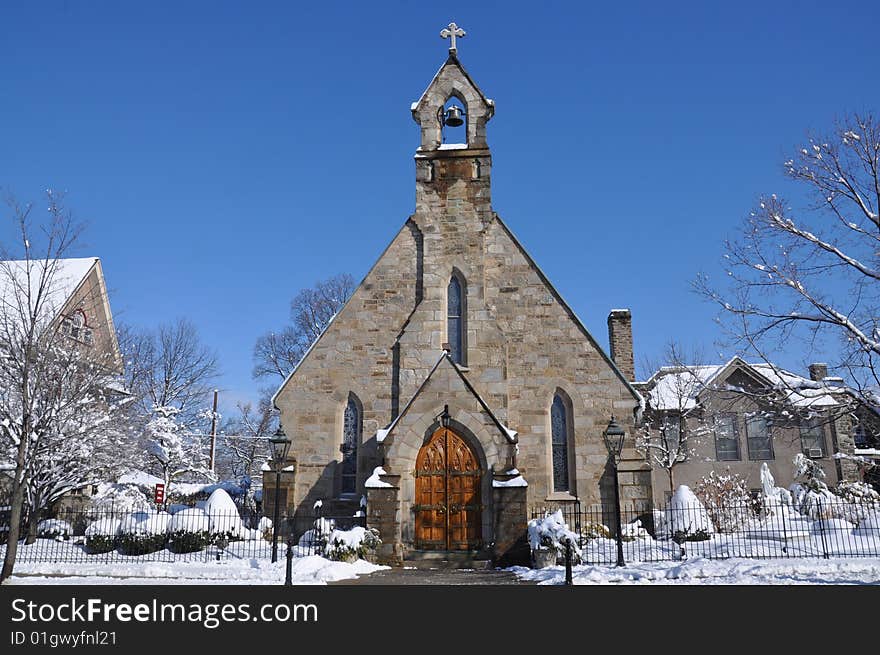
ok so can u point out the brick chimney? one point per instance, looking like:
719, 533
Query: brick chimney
620, 338
818, 371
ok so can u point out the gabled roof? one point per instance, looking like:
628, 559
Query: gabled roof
679, 387
452, 60
507, 433
67, 277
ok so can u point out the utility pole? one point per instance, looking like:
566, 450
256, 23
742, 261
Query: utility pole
213, 430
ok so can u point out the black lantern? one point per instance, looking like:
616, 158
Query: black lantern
444, 416
613, 436
280, 443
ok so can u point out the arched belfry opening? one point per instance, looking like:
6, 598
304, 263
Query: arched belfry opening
453, 121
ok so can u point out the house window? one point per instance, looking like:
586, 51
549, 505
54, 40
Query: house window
726, 438
351, 437
759, 438
74, 326
670, 430
860, 436
455, 295
560, 426
813, 438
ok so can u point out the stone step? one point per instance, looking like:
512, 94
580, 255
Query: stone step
432, 559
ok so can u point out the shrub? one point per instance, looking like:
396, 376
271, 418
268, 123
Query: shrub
349, 545
49, 528
189, 531
681, 536
141, 533
101, 536
596, 531
139, 544
726, 499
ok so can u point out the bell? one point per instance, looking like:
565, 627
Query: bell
453, 117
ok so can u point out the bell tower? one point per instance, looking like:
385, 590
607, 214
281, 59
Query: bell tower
453, 176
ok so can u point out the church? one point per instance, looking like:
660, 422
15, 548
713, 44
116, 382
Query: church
456, 390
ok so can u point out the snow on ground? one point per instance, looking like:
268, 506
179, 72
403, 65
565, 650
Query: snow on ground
308, 570
700, 571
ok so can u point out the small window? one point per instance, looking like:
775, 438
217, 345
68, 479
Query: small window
455, 329
75, 327
813, 438
726, 438
559, 424
351, 436
759, 438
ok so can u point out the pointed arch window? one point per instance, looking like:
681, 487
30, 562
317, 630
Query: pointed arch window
351, 437
456, 294
560, 426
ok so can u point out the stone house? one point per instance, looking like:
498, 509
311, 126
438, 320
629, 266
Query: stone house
733, 417
456, 390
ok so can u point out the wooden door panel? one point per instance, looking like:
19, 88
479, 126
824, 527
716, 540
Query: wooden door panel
447, 501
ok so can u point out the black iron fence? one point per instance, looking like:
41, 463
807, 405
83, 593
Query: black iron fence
113, 536
815, 527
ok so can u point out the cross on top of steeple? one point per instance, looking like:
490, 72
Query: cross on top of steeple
450, 32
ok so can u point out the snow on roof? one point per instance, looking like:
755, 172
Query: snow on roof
139, 478
518, 481
453, 146
677, 387
67, 275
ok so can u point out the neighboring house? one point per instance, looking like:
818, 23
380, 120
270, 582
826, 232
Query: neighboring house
80, 309
736, 416
455, 315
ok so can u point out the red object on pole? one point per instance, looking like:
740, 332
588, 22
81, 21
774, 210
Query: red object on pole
159, 494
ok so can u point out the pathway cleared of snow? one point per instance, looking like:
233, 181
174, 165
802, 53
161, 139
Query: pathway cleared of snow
699, 571
306, 570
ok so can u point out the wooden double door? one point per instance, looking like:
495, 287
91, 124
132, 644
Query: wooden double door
448, 500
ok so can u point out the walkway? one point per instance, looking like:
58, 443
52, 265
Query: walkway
412, 576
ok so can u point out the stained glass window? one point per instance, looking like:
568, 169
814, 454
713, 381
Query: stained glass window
454, 327
351, 432
559, 427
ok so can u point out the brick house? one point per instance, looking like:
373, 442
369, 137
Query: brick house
456, 389
733, 417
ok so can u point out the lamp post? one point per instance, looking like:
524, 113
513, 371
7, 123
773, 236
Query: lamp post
613, 436
280, 443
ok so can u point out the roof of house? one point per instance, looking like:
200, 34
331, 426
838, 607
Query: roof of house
66, 276
679, 387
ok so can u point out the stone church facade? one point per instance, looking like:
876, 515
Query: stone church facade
456, 390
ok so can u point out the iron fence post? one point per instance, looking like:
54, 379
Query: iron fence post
568, 580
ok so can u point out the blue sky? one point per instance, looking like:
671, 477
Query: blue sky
226, 155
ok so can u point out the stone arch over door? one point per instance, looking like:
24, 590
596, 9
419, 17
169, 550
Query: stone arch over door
401, 457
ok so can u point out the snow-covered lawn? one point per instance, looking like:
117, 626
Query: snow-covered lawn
730, 571
306, 570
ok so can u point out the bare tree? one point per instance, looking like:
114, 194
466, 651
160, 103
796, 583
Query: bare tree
169, 367
244, 442
52, 389
311, 310
811, 275
674, 421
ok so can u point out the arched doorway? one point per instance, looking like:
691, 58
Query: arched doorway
448, 502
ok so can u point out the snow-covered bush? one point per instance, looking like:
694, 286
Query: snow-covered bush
633, 531
857, 500
349, 545
189, 531
114, 497
315, 536
726, 499
552, 532
101, 535
687, 518
224, 517
51, 528
141, 533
